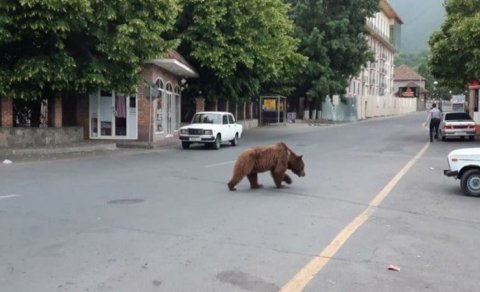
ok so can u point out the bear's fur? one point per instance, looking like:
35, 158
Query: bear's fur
275, 158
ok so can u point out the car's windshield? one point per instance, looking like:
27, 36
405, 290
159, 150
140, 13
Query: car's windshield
206, 118
457, 116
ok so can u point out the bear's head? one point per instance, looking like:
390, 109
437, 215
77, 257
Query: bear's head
295, 164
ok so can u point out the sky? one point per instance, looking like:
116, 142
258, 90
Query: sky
421, 18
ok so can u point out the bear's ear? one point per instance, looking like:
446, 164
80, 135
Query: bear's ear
300, 156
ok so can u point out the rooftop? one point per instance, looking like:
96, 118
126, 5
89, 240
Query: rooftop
403, 72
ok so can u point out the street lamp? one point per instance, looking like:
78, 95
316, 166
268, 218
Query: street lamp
436, 95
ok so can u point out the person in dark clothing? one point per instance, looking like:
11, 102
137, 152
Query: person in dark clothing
433, 120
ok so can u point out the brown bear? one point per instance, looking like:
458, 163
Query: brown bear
275, 158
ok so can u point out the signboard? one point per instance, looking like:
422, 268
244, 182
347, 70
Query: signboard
474, 84
408, 92
269, 105
273, 109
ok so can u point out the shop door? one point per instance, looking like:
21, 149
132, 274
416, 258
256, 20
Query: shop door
113, 116
106, 115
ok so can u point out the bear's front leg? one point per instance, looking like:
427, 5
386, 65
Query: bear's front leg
287, 179
278, 177
253, 178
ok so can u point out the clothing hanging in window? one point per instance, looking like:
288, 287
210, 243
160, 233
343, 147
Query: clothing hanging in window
121, 107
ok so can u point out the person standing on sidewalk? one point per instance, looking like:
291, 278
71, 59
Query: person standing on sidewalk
433, 120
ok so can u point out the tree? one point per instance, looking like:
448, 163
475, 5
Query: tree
332, 35
412, 60
237, 46
79, 45
455, 58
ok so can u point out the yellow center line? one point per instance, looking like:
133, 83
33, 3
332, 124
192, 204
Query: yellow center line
308, 272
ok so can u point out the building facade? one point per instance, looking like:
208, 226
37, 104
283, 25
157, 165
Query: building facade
473, 102
407, 83
150, 115
373, 89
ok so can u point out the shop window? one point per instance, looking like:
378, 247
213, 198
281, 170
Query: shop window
159, 107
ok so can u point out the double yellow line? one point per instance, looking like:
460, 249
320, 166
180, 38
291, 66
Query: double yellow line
308, 272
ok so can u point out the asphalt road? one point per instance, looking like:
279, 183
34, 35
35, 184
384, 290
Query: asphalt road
163, 220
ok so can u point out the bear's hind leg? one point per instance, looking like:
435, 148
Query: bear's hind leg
253, 178
243, 166
231, 186
237, 177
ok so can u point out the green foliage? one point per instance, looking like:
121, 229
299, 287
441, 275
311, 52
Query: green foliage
237, 46
412, 60
332, 36
79, 45
455, 58
420, 63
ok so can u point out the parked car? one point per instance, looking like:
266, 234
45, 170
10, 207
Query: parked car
464, 164
211, 128
456, 125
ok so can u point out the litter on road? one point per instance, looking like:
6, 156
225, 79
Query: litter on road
394, 268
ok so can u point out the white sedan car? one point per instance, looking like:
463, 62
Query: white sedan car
211, 128
464, 164
456, 125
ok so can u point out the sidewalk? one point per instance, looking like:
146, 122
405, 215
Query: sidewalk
93, 148
55, 151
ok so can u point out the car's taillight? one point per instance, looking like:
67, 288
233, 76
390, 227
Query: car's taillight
471, 126
448, 127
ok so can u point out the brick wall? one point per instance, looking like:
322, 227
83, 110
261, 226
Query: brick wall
6, 112
144, 113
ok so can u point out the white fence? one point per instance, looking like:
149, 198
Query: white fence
359, 108
377, 106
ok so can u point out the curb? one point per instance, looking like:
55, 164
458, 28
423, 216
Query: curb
60, 149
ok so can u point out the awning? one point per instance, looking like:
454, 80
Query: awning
174, 66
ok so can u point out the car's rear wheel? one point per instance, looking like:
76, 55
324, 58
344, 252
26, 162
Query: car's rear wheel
235, 140
442, 136
471, 138
470, 182
185, 145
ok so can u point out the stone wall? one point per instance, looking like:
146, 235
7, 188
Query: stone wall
248, 124
380, 106
29, 137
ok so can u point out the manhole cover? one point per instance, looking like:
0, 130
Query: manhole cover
125, 201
